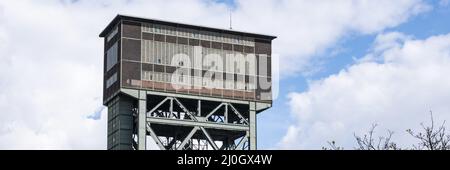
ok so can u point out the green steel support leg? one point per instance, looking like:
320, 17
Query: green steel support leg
142, 120
252, 123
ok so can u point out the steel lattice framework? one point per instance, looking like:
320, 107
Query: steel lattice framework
183, 122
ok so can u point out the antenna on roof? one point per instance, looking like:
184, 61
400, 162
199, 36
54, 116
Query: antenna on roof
230, 19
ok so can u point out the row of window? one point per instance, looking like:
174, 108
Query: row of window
112, 34
197, 57
111, 80
196, 34
184, 79
111, 56
113, 108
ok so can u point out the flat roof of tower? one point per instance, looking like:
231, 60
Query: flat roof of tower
178, 24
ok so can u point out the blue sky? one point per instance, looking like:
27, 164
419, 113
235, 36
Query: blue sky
344, 65
274, 123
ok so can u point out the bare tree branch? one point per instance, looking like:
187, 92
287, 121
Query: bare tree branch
368, 143
333, 146
432, 138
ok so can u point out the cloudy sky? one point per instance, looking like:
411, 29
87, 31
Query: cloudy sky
344, 65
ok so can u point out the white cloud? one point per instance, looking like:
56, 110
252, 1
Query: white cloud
306, 28
51, 65
395, 86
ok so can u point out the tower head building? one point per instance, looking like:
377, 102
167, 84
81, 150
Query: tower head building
183, 86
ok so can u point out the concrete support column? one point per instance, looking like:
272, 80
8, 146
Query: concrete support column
142, 105
252, 122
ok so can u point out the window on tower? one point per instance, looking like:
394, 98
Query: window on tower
111, 57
